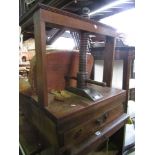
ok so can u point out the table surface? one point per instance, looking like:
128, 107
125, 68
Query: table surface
76, 103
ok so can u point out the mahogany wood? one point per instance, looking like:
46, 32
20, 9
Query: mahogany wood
92, 142
108, 60
99, 121
40, 47
65, 126
57, 120
59, 18
126, 76
58, 65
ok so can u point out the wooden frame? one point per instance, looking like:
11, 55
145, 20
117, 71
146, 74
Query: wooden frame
127, 54
47, 16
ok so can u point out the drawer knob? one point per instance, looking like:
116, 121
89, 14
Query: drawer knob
102, 119
77, 134
99, 121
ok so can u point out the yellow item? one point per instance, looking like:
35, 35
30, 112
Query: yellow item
24, 86
57, 95
60, 95
65, 94
129, 121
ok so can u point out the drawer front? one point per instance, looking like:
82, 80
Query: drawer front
76, 135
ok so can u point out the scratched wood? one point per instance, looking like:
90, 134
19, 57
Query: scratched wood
40, 48
56, 122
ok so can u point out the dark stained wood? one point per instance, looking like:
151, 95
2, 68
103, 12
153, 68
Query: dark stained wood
127, 54
40, 48
30, 138
75, 23
59, 17
98, 53
99, 121
126, 76
36, 115
120, 54
92, 142
108, 60
83, 104
55, 131
66, 114
57, 120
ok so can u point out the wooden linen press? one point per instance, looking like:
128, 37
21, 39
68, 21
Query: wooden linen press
78, 129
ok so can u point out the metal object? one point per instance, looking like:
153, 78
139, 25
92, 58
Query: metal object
97, 133
103, 84
86, 92
28, 2
82, 75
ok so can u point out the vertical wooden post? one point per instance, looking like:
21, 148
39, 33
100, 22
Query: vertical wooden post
40, 48
126, 75
108, 60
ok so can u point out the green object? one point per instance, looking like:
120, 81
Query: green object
129, 121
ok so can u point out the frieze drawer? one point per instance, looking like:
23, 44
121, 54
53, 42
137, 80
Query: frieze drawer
77, 134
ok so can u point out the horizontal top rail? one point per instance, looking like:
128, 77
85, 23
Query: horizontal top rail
50, 15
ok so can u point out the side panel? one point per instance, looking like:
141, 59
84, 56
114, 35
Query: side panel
35, 115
